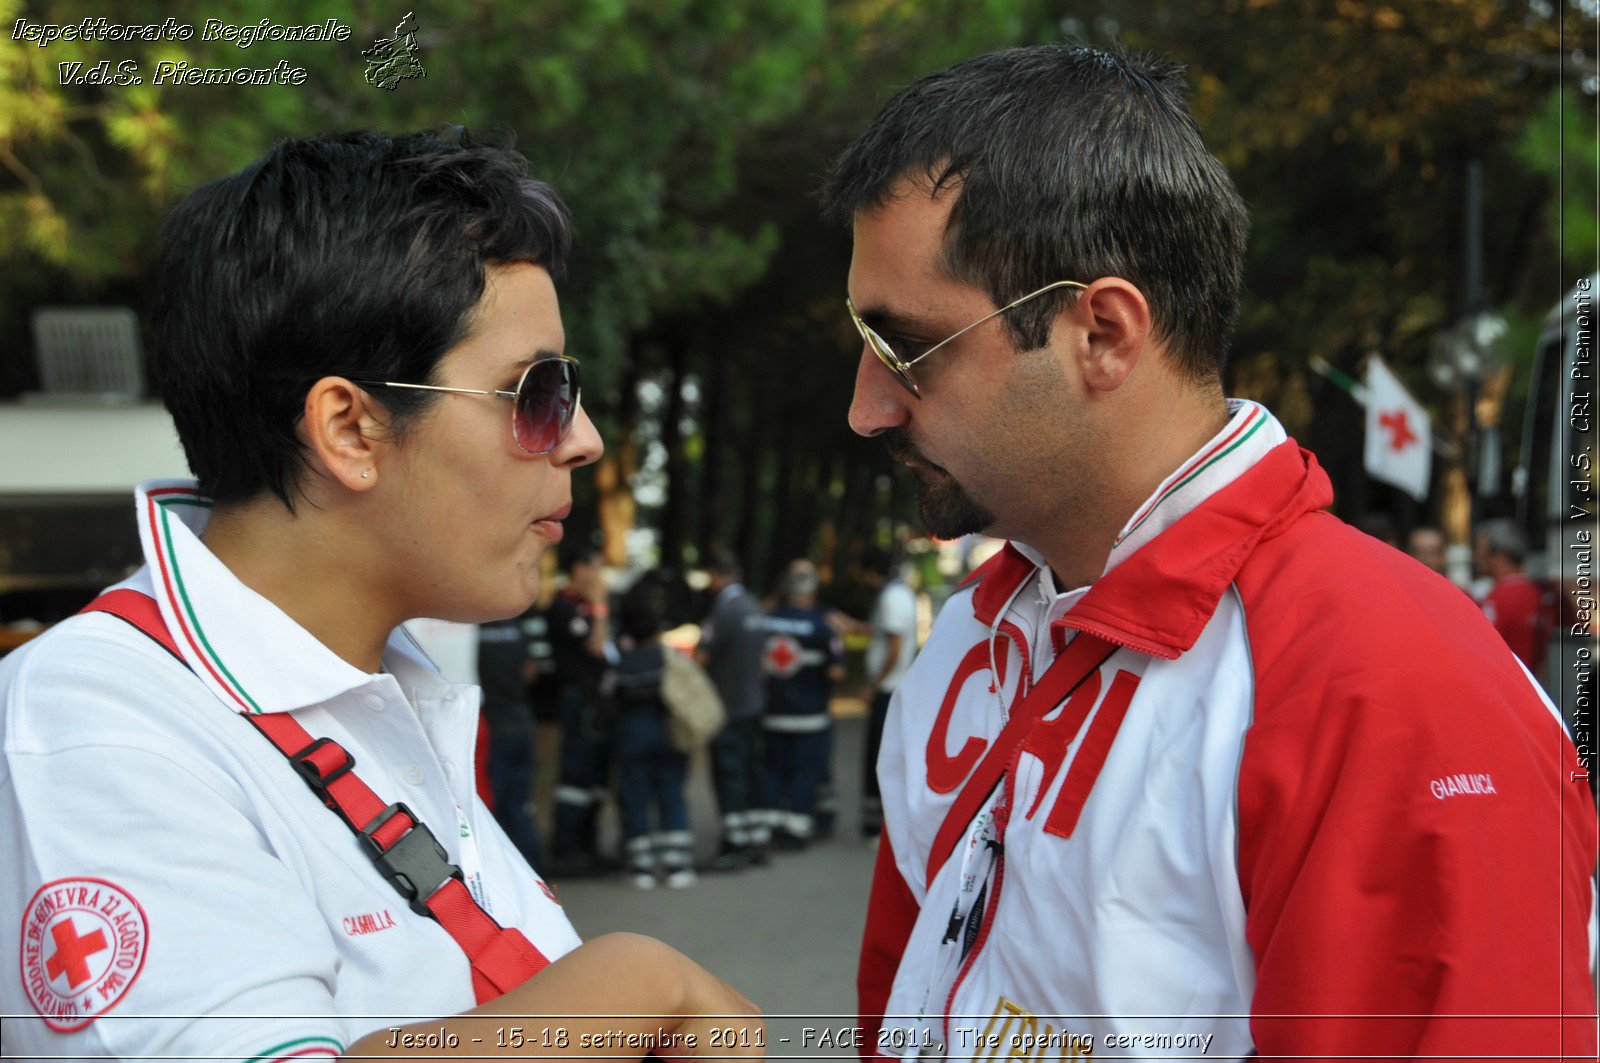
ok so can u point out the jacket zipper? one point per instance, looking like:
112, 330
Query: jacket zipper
1002, 819
1025, 680
1149, 649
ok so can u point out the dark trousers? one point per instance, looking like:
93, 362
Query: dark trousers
739, 779
511, 766
650, 776
585, 770
871, 802
796, 764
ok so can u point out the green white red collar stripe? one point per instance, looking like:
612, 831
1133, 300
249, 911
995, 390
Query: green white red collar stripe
176, 605
234, 639
1247, 437
300, 1048
1250, 434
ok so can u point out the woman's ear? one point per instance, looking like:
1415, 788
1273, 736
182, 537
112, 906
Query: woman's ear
344, 430
1116, 320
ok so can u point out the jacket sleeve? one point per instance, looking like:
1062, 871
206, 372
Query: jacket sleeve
891, 912
1416, 859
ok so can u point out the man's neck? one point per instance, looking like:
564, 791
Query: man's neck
1077, 550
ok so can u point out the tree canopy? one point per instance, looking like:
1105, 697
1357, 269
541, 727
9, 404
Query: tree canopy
706, 298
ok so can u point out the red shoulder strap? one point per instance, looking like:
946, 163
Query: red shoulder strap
401, 846
138, 609
1083, 656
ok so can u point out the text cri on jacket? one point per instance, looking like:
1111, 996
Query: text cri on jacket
356, 925
1457, 785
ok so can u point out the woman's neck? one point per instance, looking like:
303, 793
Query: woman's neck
289, 559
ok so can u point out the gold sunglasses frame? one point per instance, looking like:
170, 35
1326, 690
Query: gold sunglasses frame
512, 395
902, 368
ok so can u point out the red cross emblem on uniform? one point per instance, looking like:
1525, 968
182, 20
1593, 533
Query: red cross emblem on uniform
83, 946
783, 655
72, 952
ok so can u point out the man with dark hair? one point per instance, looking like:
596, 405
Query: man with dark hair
1426, 543
1380, 526
1187, 744
651, 773
1514, 604
731, 644
236, 798
577, 623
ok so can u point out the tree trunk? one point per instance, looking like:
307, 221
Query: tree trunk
710, 506
856, 514
614, 475
785, 512
745, 518
678, 489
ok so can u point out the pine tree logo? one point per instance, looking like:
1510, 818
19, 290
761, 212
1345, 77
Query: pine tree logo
392, 60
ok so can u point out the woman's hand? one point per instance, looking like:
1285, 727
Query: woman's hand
620, 996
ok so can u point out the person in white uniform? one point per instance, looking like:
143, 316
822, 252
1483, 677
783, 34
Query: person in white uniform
237, 813
893, 631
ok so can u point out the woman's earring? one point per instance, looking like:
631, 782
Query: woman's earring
365, 473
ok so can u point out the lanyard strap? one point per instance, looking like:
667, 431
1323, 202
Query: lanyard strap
401, 846
1082, 657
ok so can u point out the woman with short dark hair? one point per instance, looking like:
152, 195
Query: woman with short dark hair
236, 800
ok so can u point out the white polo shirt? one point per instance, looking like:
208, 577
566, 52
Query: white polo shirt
894, 613
169, 886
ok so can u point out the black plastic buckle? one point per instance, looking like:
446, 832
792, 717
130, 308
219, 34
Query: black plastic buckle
308, 770
416, 865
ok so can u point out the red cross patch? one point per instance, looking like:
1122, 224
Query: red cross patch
783, 656
83, 944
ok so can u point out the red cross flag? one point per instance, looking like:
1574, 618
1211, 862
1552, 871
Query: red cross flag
1399, 443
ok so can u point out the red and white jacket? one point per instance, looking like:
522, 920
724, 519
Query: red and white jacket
1310, 806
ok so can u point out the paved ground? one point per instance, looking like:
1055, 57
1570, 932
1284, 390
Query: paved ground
786, 934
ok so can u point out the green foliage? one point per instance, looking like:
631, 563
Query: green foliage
1559, 144
637, 111
688, 134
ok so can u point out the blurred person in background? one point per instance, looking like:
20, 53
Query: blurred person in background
578, 627
1188, 745
731, 644
505, 671
235, 789
803, 659
1426, 544
1380, 526
1517, 606
651, 772
893, 629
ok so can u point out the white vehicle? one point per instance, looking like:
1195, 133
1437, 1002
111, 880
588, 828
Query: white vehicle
1557, 497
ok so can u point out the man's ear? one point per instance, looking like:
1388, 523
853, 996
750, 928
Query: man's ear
344, 428
1116, 321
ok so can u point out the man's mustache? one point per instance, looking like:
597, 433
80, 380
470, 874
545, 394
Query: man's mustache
901, 449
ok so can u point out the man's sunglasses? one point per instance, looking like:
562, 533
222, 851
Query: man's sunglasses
900, 367
543, 404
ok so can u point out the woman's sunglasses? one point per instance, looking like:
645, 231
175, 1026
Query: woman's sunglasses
543, 404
